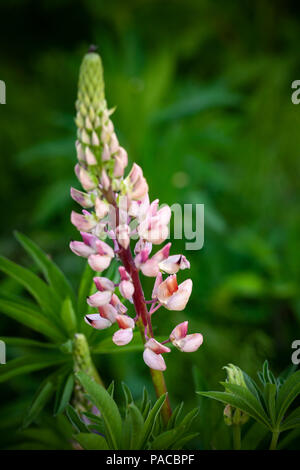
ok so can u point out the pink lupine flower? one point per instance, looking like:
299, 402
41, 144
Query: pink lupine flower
124, 322
81, 249
150, 266
84, 177
99, 298
81, 198
122, 337
183, 341
101, 208
96, 321
122, 210
174, 263
84, 221
138, 184
109, 312
126, 289
116, 302
126, 286
153, 354
172, 295
154, 228
123, 235
102, 284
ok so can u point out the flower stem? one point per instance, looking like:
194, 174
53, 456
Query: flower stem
145, 320
236, 432
275, 436
140, 306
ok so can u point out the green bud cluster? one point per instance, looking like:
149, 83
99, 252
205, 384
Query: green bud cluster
234, 416
98, 150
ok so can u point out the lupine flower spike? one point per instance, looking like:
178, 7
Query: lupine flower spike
115, 206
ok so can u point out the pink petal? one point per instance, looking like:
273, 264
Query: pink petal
96, 321
180, 298
102, 283
115, 301
81, 249
190, 343
81, 222
180, 331
89, 239
98, 262
122, 337
126, 289
167, 288
125, 322
150, 268
99, 299
158, 281
101, 208
156, 347
104, 249
163, 253
81, 198
154, 361
109, 312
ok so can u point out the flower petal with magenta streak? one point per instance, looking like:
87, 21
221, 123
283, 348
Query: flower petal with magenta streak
103, 283
156, 347
180, 331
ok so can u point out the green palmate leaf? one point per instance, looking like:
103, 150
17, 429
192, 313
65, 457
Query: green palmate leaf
63, 393
237, 402
47, 300
91, 441
169, 438
292, 421
111, 388
270, 391
127, 394
287, 394
150, 421
32, 318
253, 387
68, 317
184, 440
165, 440
136, 425
175, 416
290, 438
251, 401
29, 363
50, 270
107, 406
106, 346
42, 397
75, 419
254, 436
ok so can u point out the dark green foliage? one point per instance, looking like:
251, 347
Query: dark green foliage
136, 429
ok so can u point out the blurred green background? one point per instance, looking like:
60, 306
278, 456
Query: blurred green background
203, 95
